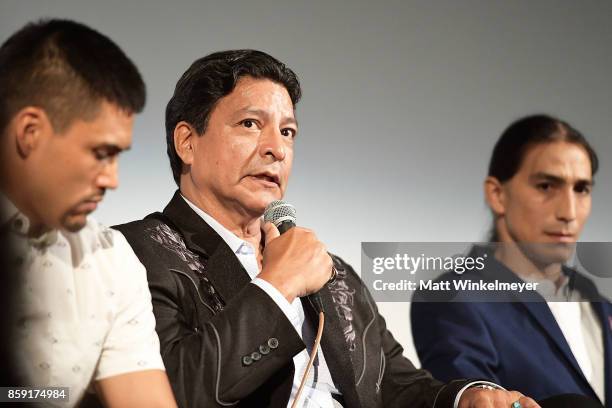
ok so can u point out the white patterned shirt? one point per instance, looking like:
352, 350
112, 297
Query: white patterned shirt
83, 310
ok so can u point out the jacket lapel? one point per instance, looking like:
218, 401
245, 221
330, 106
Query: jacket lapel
228, 277
603, 310
223, 268
334, 346
542, 314
536, 306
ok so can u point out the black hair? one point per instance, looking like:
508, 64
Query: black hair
68, 69
520, 136
211, 78
515, 141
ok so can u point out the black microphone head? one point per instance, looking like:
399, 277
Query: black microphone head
279, 212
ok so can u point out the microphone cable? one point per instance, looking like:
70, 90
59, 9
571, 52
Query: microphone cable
313, 355
283, 216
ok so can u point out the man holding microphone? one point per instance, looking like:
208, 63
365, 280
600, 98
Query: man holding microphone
227, 291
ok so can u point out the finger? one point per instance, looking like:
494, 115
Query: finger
527, 402
479, 398
270, 232
514, 396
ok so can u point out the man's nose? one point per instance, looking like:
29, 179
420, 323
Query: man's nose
272, 143
108, 177
566, 205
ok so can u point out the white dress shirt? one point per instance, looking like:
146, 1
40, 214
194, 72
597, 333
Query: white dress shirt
316, 393
84, 309
581, 329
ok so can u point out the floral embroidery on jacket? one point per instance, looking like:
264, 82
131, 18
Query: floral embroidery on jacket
343, 297
173, 241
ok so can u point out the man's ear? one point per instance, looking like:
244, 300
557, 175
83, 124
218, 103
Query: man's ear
30, 125
184, 135
495, 195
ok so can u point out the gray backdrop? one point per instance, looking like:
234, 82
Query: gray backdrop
403, 101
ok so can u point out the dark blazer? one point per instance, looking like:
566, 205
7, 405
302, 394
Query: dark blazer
516, 344
224, 341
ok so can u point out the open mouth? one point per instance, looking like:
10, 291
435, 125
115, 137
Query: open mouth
267, 178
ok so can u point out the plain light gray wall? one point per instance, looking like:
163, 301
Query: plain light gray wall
403, 101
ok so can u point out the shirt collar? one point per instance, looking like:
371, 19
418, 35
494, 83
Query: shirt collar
19, 224
549, 290
236, 244
12, 218
546, 288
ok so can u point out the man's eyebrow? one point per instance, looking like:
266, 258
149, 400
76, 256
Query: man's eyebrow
260, 112
248, 109
558, 180
290, 120
113, 147
586, 182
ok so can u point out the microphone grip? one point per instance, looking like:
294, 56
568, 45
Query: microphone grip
285, 226
313, 298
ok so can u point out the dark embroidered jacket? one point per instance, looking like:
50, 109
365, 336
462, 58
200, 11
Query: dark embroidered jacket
225, 342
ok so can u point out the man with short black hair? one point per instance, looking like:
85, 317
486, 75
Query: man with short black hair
68, 96
229, 293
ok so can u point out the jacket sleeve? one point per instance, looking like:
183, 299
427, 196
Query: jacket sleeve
207, 364
401, 383
221, 359
452, 340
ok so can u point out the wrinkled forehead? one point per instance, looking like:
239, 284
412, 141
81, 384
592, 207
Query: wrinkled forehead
260, 94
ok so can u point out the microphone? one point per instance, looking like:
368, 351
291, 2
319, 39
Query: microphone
283, 216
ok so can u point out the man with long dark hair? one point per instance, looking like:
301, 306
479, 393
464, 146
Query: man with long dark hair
558, 340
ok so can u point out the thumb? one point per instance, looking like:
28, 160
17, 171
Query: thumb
270, 232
